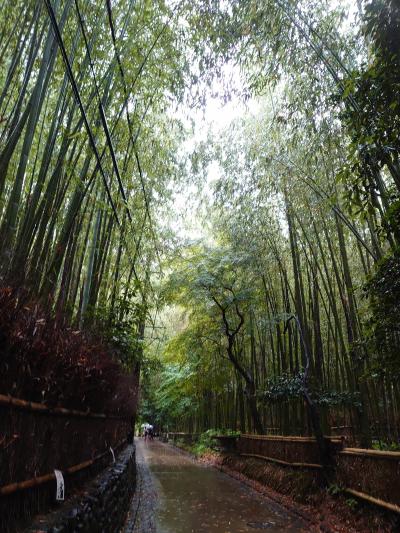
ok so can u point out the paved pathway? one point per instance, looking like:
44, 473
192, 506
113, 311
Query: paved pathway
178, 495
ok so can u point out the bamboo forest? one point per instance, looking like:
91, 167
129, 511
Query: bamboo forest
200, 264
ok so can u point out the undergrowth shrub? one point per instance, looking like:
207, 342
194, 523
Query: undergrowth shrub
43, 360
206, 442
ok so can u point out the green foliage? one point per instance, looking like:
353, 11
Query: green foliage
352, 503
91, 240
121, 328
200, 449
210, 274
206, 438
283, 388
338, 399
372, 117
383, 290
206, 443
386, 446
282, 236
286, 387
334, 489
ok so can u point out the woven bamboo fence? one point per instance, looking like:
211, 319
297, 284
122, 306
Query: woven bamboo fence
36, 439
293, 451
187, 438
371, 475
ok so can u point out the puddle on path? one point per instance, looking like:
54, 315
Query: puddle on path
192, 498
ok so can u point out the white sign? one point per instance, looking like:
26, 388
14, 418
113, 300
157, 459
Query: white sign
113, 454
60, 486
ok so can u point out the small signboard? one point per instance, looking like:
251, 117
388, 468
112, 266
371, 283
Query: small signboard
60, 486
113, 454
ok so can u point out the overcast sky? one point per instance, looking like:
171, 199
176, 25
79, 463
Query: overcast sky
216, 116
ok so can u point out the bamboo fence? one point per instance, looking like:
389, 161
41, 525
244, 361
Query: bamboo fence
36, 439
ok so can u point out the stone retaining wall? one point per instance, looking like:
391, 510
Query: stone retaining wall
103, 505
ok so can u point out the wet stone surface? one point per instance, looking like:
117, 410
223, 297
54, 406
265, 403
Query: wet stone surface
177, 495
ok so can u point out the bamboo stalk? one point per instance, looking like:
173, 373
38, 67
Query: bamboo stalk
9, 401
288, 439
376, 501
81, 466
23, 485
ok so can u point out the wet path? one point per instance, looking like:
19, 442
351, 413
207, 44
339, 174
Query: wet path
178, 495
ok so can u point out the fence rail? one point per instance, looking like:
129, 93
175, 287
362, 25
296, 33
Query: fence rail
188, 438
12, 488
292, 451
17, 403
377, 454
36, 439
